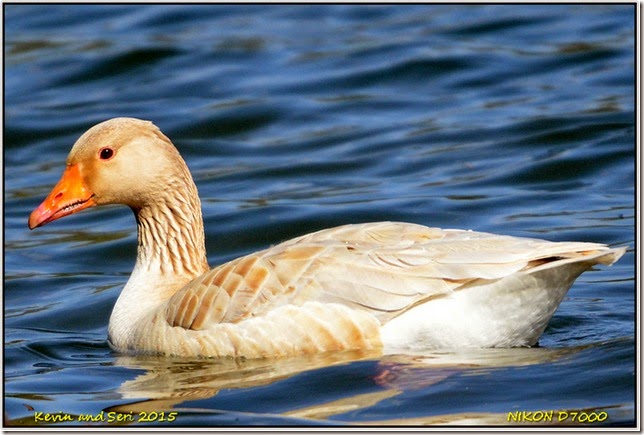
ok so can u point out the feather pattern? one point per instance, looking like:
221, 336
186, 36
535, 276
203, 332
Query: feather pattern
351, 265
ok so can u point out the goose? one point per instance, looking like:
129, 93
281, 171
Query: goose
379, 285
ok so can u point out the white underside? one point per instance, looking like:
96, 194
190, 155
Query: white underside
510, 312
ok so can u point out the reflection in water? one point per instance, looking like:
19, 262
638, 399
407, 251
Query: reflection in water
170, 382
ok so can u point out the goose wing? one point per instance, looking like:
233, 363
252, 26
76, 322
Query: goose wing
383, 268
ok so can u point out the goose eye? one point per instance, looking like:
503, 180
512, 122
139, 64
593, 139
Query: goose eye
106, 153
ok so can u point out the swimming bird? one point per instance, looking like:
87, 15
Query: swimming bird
380, 285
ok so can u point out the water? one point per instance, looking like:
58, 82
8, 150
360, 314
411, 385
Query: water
500, 118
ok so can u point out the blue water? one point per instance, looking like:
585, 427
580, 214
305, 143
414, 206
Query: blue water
501, 118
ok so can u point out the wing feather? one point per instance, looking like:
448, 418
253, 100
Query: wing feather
383, 268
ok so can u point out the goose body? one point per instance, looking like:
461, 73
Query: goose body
387, 285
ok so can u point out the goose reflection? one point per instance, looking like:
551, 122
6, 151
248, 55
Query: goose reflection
175, 384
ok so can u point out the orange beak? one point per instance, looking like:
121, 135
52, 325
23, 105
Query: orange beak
68, 197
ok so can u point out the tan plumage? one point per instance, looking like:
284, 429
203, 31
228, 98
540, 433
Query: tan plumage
354, 286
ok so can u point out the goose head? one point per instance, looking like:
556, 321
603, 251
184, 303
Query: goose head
119, 161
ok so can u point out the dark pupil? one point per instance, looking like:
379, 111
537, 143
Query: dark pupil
106, 153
